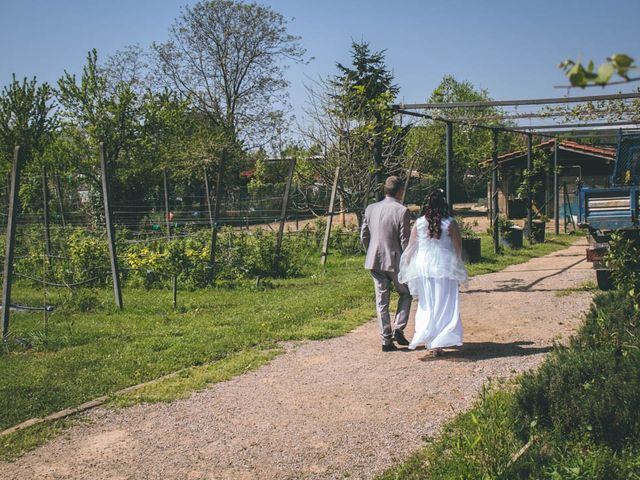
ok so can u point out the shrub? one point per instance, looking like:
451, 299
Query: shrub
591, 389
150, 263
623, 260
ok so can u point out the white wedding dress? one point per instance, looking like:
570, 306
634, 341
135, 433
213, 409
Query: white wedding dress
433, 270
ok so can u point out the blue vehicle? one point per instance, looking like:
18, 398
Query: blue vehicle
604, 211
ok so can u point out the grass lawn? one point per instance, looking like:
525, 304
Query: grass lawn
213, 335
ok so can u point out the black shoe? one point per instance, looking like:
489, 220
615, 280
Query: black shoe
399, 337
389, 348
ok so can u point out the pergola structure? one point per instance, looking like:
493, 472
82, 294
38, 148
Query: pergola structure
550, 126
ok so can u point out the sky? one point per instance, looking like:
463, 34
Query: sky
509, 47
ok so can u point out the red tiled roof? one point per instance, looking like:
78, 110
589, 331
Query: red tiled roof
248, 173
603, 152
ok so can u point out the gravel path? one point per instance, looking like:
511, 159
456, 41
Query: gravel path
331, 409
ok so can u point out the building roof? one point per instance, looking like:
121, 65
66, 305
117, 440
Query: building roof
604, 153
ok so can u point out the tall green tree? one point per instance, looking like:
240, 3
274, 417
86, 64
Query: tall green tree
229, 58
26, 119
93, 111
368, 88
353, 127
471, 145
25, 116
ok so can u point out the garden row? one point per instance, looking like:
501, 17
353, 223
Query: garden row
83, 258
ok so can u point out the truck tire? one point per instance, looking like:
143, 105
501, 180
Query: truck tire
603, 278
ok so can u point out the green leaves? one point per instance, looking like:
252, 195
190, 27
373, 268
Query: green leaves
580, 76
25, 115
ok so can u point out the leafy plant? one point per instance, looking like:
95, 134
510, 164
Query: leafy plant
467, 228
623, 261
581, 76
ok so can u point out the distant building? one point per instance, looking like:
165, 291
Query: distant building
593, 165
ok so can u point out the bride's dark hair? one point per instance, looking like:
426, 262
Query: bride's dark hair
435, 209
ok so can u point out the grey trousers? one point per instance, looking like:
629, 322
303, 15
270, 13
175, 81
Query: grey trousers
382, 283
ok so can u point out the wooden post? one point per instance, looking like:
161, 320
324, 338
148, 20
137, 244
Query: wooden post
449, 147
494, 192
110, 231
490, 203
529, 189
166, 202
208, 194
556, 189
174, 280
283, 213
45, 212
216, 212
327, 232
56, 182
18, 161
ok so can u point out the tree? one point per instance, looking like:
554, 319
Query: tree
93, 112
25, 117
228, 58
470, 145
26, 120
352, 126
364, 84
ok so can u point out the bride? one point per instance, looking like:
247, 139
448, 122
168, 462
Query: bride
432, 268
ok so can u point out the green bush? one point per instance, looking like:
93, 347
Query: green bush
592, 388
623, 260
149, 262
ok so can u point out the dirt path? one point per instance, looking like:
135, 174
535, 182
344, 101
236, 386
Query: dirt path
332, 409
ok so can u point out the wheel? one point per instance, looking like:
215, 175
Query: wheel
603, 278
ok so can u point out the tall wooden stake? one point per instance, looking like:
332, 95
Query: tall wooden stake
283, 213
449, 146
556, 189
174, 280
56, 182
45, 210
327, 232
18, 161
208, 193
494, 192
529, 189
110, 232
216, 212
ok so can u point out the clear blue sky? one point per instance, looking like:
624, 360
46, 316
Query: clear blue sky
509, 47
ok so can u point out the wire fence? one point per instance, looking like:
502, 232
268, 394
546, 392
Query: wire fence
162, 239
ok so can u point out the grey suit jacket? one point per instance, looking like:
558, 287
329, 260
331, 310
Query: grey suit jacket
385, 234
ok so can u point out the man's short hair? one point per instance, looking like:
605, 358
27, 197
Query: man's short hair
392, 186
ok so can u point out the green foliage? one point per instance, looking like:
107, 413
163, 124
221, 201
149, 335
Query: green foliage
352, 123
466, 228
581, 76
238, 81
623, 261
151, 263
591, 389
533, 179
471, 146
504, 228
25, 117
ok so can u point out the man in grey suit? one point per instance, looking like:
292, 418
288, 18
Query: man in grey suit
385, 234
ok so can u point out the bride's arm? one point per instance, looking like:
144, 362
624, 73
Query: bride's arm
454, 232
